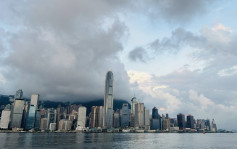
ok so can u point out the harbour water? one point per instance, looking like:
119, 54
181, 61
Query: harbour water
119, 140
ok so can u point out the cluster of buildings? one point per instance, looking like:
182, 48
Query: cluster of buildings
29, 116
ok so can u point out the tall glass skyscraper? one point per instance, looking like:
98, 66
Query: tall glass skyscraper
108, 100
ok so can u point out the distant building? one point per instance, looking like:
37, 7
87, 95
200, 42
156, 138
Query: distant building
139, 115
5, 119
65, 124
214, 127
37, 120
108, 100
132, 120
147, 118
19, 94
43, 124
125, 115
81, 120
116, 119
173, 122
166, 124
17, 113
133, 103
34, 100
52, 126
93, 117
181, 121
190, 122
155, 124
31, 118
155, 114
156, 121
51, 116
208, 125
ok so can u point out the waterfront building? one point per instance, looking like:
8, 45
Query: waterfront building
65, 125
132, 120
155, 124
133, 103
60, 115
5, 118
139, 115
125, 115
214, 127
190, 122
147, 118
37, 119
108, 100
173, 122
81, 120
93, 117
116, 119
19, 94
208, 125
155, 114
43, 123
25, 114
201, 124
51, 116
99, 116
166, 124
156, 121
52, 126
17, 113
181, 121
34, 100
31, 118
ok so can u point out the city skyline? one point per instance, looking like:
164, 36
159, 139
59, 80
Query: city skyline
178, 55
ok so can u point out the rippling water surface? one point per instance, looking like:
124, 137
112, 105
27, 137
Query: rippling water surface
118, 140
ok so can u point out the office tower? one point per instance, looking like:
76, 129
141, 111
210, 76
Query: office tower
5, 118
190, 122
43, 123
208, 125
51, 116
167, 116
133, 103
173, 122
65, 125
60, 116
155, 124
34, 100
81, 120
181, 121
132, 120
19, 94
139, 115
17, 113
166, 124
201, 124
116, 119
214, 127
31, 118
37, 119
93, 117
99, 116
125, 115
25, 114
108, 100
147, 118
155, 114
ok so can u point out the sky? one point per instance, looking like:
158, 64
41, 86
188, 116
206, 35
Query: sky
179, 56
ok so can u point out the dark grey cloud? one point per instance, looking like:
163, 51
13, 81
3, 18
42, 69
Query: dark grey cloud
138, 54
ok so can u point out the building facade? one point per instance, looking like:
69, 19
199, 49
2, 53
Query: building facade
81, 120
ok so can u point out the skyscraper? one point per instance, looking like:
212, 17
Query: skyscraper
34, 100
17, 113
19, 94
125, 115
181, 121
133, 102
108, 100
51, 116
190, 122
139, 115
5, 118
31, 118
156, 121
147, 118
81, 120
155, 114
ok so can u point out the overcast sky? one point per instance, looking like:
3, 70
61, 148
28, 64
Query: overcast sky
177, 55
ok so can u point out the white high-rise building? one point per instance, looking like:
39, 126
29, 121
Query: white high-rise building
147, 118
108, 100
139, 115
5, 119
81, 120
34, 100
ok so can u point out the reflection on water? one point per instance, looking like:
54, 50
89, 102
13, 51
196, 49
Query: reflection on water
117, 140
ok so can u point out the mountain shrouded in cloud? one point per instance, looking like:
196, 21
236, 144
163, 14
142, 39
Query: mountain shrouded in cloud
179, 56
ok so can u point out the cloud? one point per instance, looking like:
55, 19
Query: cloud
138, 54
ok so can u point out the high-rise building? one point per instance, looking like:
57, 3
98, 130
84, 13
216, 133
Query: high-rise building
190, 122
116, 119
208, 125
181, 121
125, 115
43, 123
5, 118
34, 100
51, 116
37, 119
31, 118
155, 114
17, 113
65, 124
132, 120
108, 100
99, 116
19, 94
139, 115
173, 122
133, 103
166, 124
81, 120
93, 117
147, 118
214, 127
